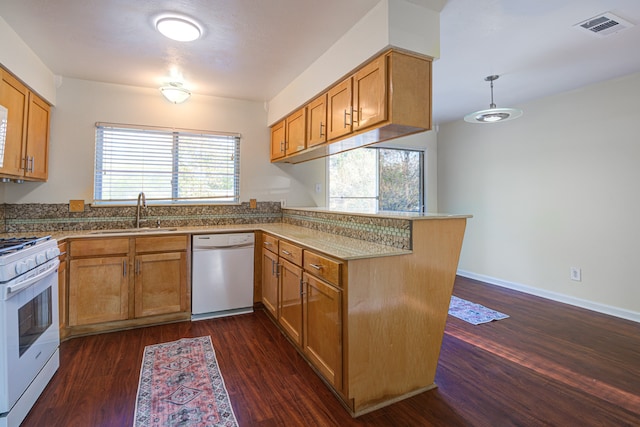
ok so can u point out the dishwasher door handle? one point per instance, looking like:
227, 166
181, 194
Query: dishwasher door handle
213, 248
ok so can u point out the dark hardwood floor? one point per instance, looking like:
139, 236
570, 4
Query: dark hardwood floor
549, 364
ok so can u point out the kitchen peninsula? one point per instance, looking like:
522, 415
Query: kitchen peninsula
378, 285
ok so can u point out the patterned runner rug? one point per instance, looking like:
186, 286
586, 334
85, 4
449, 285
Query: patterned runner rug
473, 313
180, 385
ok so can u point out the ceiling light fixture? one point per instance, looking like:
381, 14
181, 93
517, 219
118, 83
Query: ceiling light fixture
493, 114
178, 28
175, 93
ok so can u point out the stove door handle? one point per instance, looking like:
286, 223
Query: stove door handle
12, 289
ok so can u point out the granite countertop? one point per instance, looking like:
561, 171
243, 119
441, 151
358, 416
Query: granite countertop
414, 216
345, 248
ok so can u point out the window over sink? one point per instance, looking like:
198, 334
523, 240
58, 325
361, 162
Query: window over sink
168, 165
377, 179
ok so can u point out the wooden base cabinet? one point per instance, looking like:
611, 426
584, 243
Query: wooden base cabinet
124, 282
373, 327
323, 328
270, 277
290, 317
160, 283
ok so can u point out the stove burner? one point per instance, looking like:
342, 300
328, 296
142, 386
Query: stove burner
14, 244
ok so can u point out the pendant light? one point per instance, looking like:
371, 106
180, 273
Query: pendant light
175, 93
493, 114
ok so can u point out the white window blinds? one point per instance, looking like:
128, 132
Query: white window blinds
168, 165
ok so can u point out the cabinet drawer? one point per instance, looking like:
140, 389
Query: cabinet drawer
269, 242
162, 244
323, 267
290, 252
92, 247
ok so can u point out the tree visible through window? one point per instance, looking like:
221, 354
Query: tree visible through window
377, 179
168, 165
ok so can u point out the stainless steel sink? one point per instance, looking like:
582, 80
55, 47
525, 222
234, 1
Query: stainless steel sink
133, 230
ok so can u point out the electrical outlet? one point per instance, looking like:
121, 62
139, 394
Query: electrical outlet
76, 205
576, 274
318, 187
283, 203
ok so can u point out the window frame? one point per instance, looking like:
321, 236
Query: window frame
378, 178
176, 135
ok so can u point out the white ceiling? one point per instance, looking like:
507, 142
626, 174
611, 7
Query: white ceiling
251, 49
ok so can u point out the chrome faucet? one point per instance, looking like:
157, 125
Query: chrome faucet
144, 205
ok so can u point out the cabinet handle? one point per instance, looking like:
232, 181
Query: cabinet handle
282, 146
358, 113
286, 252
345, 117
267, 243
301, 287
26, 163
321, 127
124, 268
316, 266
31, 164
138, 267
277, 270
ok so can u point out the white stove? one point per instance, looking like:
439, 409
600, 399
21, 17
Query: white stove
29, 323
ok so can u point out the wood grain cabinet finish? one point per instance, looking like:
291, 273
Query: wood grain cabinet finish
62, 286
322, 309
26, 149
317, 121
278, 140
270, 278
373, 327
385, 98
295, 132
123, 282
290, 313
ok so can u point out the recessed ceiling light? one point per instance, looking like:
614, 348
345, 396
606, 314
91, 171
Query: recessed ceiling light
179, 29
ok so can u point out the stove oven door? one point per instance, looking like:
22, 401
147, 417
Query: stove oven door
29, 332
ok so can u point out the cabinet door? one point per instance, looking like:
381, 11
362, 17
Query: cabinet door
37, 148
339, 110
15, 97
98, 290
322, 311
270, 282
277, 140
291, 300
317, 121
296, 132
160, 284
369, 94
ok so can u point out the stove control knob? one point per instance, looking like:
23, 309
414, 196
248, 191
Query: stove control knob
52, 253
21, 267
41, 258
31, 263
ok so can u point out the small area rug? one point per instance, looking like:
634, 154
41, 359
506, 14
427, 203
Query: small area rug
180, 385
473, 313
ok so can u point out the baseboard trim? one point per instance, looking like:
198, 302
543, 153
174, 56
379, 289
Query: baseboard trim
554, 296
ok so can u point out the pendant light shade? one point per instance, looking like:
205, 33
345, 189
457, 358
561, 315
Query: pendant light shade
175, 93
493, 114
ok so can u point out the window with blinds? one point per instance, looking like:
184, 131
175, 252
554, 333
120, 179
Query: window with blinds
168, 165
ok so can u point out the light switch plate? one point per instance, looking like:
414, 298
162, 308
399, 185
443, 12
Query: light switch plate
76, 205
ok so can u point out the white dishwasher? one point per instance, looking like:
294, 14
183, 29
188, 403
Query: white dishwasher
222, 275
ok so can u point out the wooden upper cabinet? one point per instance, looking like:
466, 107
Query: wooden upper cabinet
317, 121
37, 147
370, 94
339, 110
295, 132
25, 154
386, 98
15, 97
277, 140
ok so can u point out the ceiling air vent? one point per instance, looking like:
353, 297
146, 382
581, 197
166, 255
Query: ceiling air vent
604, 24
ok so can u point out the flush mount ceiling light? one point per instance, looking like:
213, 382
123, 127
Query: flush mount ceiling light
493, 114
174, 92
178, 28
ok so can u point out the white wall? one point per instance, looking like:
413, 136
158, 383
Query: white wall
398, 23
80, 104
18, 58
555, 189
